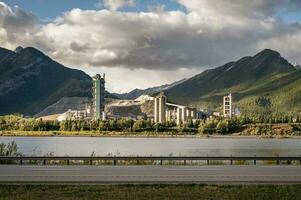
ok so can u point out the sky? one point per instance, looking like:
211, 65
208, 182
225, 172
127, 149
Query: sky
145, 43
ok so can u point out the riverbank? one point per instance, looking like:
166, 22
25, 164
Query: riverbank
154, 191
95, 134
137, 134
14, 125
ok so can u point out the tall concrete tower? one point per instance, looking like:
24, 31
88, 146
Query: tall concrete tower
227, 106
193, 113
160, 103
179, 115
98, 96
156, 111
184, 114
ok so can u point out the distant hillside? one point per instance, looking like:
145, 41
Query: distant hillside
265, 83
149, 91
31, 81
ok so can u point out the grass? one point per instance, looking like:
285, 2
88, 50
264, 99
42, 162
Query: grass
259, 130
94, 133
192, 191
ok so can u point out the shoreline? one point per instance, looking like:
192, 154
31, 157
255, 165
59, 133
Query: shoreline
142, 135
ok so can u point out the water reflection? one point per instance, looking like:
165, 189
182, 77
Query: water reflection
84, 146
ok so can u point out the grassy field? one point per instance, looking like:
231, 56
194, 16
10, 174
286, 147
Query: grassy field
251, 192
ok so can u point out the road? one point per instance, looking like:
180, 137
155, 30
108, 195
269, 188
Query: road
149, 174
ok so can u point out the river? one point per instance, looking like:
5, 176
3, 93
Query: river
126, 146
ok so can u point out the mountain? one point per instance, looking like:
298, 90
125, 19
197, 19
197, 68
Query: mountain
30, 82
149, 91
265, 82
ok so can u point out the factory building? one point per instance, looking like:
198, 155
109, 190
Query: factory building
185, 113
227, 106
171, 112
98, 96
160, 104
179, 115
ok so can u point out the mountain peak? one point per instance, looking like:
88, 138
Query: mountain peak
271, 61
30, 81
19, 49
268, 52
25, 56
241, 76
32, 51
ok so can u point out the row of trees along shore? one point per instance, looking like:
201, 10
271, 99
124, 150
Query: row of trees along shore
209, 126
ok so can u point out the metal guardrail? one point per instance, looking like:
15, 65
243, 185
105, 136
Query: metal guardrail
115, 159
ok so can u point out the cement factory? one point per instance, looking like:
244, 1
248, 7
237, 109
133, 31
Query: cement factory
164, 111
156, 108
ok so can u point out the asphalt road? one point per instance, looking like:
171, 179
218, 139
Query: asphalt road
149, 174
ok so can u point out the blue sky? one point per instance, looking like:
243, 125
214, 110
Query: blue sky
49, 9
292, 17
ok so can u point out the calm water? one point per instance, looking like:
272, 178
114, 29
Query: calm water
84, 146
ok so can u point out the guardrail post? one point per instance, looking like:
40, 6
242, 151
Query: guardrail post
184, 162
254, 162
91, 162
115, 162
231, 161
207, 162
278, 162
161, 162
137, 162
21, 162
300, 162
68, 162
44, 162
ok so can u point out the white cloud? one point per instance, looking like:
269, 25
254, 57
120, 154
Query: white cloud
14, 24
121, 80
254, 8
165, 40
289, 44
167, 44
117, 4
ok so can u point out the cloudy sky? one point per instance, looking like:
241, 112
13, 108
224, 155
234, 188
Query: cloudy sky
143, 43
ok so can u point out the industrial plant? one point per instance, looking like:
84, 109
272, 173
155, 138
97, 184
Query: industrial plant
164, 111
157, 109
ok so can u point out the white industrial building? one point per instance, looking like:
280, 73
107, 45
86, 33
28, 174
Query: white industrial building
73, 115
164, 111
160, 109
227, 106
